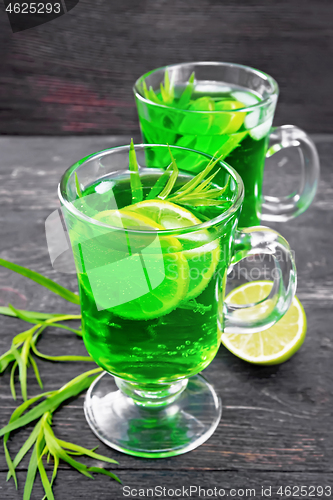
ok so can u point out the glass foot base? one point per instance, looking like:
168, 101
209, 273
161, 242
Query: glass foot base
150, 432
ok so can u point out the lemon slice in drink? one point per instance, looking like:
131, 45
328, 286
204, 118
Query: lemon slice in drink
165, 270
274, 345
126, 219
201, 253
166, 214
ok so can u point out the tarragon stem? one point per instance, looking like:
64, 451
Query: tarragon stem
172, 179
42, 280
136, 186
77, 185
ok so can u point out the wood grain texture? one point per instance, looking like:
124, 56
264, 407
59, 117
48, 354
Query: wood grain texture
229, 481
276, 424
75, 74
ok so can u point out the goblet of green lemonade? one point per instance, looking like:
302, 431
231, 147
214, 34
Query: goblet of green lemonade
226, 110
152, 245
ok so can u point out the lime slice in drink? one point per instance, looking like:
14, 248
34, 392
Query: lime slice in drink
230, 123
197, 123
201, 252
164, 267
274, 345
202, 104
202, 263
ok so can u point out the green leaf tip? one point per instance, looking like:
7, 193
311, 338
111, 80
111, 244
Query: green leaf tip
42, 280
77, 185
135, 181
196, 192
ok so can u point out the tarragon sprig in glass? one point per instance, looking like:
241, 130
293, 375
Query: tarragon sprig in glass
167, 92
198, 191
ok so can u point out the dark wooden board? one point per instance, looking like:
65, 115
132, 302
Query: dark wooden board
244, 483
74, 75
276, 424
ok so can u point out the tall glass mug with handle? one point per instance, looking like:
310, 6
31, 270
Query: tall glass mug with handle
152, 261
227, 110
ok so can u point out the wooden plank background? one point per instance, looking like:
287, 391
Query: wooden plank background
74, 75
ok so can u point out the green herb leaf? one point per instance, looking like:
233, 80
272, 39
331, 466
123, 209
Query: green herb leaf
190, 186
22, 365
6, 359
158, 186
35, 316
60, 358
56, 449
9, 462
77, 185
169, 86
205, 184
73, 388
85, 451
55, 468
42, 280
35, 368
65, 327
150, 94
186, 95
167, 92
197, 191
172, 179
12, 380
26, 335
31, 474
25, 448
136, 186
163, 93
33, 436
99, 470
40, 444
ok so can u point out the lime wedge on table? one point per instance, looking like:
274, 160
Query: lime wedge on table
202, 254
172, 286
274, 345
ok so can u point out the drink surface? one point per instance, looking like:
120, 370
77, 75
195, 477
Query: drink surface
172, 330
211, 123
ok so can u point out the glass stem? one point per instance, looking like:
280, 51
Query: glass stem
152, 395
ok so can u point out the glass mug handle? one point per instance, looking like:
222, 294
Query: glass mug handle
259, 316
284, 208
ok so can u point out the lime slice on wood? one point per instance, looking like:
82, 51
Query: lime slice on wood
274, 345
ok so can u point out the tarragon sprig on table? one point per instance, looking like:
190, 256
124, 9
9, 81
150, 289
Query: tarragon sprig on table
21, 355
24, 347
43, 439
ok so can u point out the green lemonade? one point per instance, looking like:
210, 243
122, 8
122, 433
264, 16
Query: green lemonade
173, 331
240, 137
